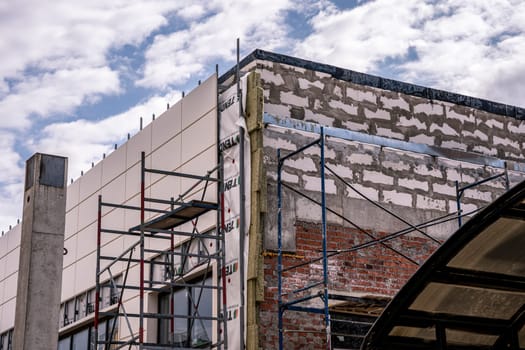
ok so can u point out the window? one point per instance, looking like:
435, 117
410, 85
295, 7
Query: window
6, 340
84, 339
190, 303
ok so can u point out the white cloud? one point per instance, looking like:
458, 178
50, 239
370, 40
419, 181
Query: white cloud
57, 92
56, 54
11, 181
84, 141
470, 47
363, 37
173, 58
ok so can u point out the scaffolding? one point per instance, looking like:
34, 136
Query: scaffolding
185, 254
460, 190
295, 300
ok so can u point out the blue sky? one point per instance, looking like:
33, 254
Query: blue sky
77, 75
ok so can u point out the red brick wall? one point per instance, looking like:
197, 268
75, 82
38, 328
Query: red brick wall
376, 270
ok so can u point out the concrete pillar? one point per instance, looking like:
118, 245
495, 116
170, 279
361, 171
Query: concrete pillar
41, 254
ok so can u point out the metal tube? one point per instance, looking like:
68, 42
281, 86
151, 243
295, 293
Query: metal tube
97, 278
141, 292
221, 266
172, 274
324, 233
459, 193
507, 182
280, 250
218, 226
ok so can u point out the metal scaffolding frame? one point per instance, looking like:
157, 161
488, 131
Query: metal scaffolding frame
163, 226
460, 190
297, 304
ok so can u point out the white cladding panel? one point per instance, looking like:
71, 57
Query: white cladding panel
182, 139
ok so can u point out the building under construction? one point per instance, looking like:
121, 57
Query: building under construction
280, 205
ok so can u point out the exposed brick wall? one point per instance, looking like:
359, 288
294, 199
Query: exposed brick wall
373, 271
418, 187
318, 97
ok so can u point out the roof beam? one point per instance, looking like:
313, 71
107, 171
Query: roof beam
423, 319
479, 279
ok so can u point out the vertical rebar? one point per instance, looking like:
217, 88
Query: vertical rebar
279, 250
458, 202
324, 243
507, 182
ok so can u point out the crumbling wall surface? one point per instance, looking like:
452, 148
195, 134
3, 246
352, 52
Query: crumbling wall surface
375, 271
417, 187
318, 97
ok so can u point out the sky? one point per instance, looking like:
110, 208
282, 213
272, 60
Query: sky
76, 75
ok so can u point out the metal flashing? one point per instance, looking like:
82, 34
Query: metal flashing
391, 143
382, 83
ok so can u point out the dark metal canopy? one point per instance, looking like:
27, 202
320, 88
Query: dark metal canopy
470, 294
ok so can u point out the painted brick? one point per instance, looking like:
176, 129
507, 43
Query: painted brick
398, 166
413, 184
461, 117
277, 110
476, 134
427, 171
505, 142
486, 150
424, 139
358, 95
407, 122
377, 177
389, 133
465, 207
270, 77
338, 92
343, 106
277, 142
313, 183
285, 176
355, 126
306, 84
444, 189
399, 198
517, 129
454, 145
314, 151
318, 118
480, 195
389, 103
454, 175
378, 114
360, 158
493, 123
424, 202
444, 129
369, 192
429, 108
343, 171
303, 164
290, 98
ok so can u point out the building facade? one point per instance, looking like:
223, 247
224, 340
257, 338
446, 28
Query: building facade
321, 203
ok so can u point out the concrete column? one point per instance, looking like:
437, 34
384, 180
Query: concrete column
41, 254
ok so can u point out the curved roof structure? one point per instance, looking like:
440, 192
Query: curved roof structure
470, 294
